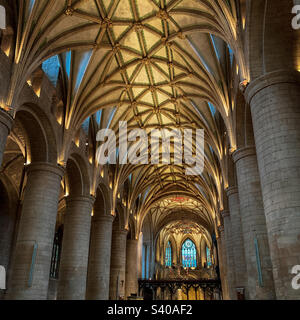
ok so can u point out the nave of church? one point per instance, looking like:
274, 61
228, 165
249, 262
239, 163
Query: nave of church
140, 225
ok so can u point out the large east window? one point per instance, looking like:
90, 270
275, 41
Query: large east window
189, 254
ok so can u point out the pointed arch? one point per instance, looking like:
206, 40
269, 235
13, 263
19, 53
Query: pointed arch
39, 134
174, 247
168, 255
269, 27
189, 254
77, 177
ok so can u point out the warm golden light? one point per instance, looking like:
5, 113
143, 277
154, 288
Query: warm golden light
5, 106
232, 150
60, 119
38, 92
244, 22
7, 51
77, 142
28, 162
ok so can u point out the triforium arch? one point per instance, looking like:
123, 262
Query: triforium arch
103, 203
39, 135
77, 178
269, 27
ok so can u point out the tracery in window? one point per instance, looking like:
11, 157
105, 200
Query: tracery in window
169, 255
189, 254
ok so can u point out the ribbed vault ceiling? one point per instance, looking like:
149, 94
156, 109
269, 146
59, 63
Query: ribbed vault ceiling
153, 63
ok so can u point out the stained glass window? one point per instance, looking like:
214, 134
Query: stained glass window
208, 257
169, 255
189, 254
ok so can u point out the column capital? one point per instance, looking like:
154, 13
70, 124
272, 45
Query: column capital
243, 153
6, 119
132, 241
269, 79
88, 198
45, 166
118, 230
231, 191
104, 217
123, 231
225, 213
221, 228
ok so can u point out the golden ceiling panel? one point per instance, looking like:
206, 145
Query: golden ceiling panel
154, 63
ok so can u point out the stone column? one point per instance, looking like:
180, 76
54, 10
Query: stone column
216, 262
75, 248
6, 122
237, 239
254, 226
99, 260
275, 106
131, 284
223, 262
230, 267
118, 264
202, 253
139, 256
36, 229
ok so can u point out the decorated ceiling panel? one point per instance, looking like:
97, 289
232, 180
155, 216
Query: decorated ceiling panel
158, 64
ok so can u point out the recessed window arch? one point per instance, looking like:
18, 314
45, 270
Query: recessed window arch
169, 255
208, 257
189, 254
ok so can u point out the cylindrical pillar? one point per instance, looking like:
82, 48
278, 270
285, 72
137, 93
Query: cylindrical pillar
131, 283
118, 264
223, 262
203, 258
99, 260
275, 106
6, 122
32, 257
230, 267
257, 253
75, 248
237, 239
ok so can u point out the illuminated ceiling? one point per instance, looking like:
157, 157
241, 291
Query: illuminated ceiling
184, 227
154, 63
